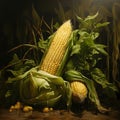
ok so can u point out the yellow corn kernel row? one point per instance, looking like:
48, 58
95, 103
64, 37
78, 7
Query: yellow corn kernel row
53, 58
79, 91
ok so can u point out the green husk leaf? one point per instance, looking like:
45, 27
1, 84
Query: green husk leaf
49, 103
37, 87
73, 75
100, 78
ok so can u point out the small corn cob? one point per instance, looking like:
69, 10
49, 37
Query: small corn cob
55, 55
79, 91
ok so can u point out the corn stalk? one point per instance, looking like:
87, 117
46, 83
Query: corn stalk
116, 40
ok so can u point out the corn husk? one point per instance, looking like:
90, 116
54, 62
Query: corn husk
37, 87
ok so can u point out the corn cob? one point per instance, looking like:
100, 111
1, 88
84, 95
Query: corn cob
79, 91
54, 57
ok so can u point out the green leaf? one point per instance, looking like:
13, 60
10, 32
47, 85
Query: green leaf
21, 67
56, 25
100, 78
16, 60
98, 25
94, 35
37, 87
43, 44
8, 93
75, 49
36, 20
80, 19
73, 75
46, 102
83, 33
100, 48
91, 17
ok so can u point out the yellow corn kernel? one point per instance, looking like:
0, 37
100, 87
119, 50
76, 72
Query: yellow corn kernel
27, 108
53, 58
79, 91
46, 109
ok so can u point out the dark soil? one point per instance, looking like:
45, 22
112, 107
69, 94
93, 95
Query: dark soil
84, 111
57, 115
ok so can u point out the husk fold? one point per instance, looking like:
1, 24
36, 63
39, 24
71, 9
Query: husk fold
42, 88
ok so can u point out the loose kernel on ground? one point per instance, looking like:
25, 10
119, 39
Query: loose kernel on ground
46, 109
27, 108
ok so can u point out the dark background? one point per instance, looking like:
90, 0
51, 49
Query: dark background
11, 11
